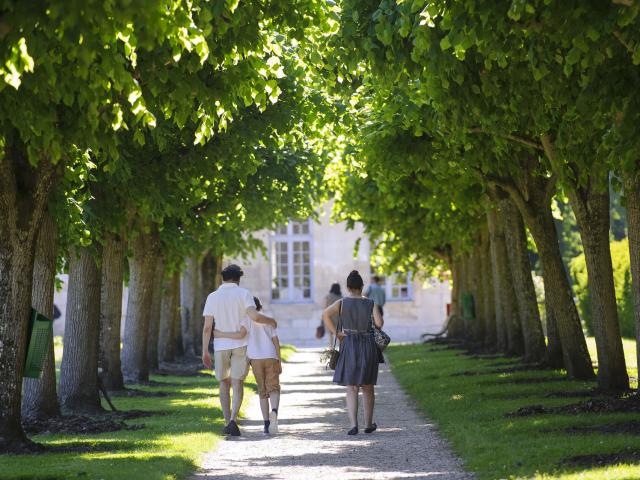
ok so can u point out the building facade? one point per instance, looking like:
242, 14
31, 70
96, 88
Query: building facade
303, 259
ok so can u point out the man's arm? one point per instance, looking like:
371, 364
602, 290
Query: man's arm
206, 336
258, 317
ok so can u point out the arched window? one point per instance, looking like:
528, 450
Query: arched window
291, 277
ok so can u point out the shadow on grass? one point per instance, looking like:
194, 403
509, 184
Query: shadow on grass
471, 411
175, 430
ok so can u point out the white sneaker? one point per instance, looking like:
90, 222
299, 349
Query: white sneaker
273, 418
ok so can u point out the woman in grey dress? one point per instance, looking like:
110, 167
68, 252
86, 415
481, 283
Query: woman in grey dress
357, 365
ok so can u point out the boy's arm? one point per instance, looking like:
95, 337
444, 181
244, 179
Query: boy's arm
276, 342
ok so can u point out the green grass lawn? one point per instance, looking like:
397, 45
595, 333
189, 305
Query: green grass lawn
186, 424
471, 412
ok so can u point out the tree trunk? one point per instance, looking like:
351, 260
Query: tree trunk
591, 206
189, 293
516, 241
477, 290
177, 319
497, 256
515, 342
456, 328
40, 399
154, 318
488, 301
168, 311
209, 273
111, 312
536, 212
632, 198
24, 192
144, 248
554, 344
79, 369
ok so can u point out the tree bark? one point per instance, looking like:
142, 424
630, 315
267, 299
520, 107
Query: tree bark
515, 342
79, 369
632, 198
177, 320
456, 328
532, 194
209, 273
144, 248
40, 399
111, 311
168, 310
154, 318
520, 266
488, 301
477, 290
591, 206
24, 193
189, 293
497, 256
554, 344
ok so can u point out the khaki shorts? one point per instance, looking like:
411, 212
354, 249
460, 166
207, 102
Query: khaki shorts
267, 373
231, 363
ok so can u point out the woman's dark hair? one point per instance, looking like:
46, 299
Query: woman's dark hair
354, 281
335, 289
256, 300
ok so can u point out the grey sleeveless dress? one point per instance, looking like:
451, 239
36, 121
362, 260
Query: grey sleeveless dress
358, 360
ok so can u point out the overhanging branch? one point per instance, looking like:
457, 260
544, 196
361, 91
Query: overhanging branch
514, 138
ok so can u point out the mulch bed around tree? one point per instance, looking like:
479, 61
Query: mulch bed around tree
134, 392
602, 460
468, 373
525, 381
631, 427
627, 404
78, 424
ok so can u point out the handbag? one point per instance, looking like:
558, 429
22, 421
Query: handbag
320, 331
381, 338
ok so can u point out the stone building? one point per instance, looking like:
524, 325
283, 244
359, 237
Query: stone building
304, 258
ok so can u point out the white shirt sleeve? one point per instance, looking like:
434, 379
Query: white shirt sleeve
208, 306
248, 300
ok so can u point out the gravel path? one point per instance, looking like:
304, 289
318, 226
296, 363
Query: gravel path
312, 443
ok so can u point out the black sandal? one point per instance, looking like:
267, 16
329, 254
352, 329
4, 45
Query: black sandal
353, 431
371, 429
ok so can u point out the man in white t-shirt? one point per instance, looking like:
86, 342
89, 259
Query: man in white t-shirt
231, 308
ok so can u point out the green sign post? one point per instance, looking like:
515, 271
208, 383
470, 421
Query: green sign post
40, 331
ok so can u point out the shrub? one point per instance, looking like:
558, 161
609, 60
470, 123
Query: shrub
622, 283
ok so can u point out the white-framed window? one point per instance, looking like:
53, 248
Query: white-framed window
291, 274
398, 287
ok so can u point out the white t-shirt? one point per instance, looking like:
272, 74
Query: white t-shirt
228, 307
260, 342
